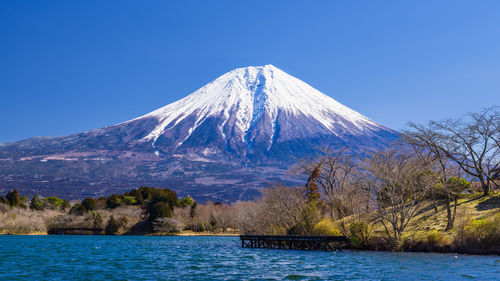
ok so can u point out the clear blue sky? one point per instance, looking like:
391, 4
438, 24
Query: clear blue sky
70, 66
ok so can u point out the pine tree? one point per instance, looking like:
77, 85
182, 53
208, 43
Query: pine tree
311, 188
13, 198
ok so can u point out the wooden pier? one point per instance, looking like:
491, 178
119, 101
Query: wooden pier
76, 231
295, 242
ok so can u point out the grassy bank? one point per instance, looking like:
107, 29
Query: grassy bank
476, 230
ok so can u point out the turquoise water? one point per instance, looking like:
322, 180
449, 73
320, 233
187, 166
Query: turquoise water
219, 258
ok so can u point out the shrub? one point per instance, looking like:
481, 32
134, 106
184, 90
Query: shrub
101, 203
425, 241
129, 200
36, 203
4, 208
77, 210
89, 204
113, 201
65, 205
54, 203
167, 225
326, 227
482, 228
359, 234
310, 217
480, 236
436, 239
95, 219
114, 225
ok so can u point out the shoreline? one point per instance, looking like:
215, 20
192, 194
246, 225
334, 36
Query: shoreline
236, 235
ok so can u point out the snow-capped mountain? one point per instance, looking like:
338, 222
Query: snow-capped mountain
223, 141
253, 109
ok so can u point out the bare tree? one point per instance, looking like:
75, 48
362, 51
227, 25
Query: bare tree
167, 225
401, 182
224, 216
333, 173
450, 184
473, 144
450, 189
247, 217
281, 208
182, 216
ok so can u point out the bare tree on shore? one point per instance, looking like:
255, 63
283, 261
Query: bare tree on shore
333, 173
473, 144
281, 208
401, 183
450, 182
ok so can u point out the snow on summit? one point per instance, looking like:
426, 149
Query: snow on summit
225, 140
241, 98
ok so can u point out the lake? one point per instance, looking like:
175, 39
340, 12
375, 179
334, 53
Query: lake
219, 258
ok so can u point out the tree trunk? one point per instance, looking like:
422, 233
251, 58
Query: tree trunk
449, 223
435, 207
486, 187
454, 210
368, 201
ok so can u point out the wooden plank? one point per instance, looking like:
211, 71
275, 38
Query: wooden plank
303, 242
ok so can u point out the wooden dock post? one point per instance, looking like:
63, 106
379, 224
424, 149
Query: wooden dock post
295, 242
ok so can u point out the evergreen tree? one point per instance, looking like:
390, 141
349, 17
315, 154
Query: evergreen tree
186, 201
36, 203
113, 201
89, 204
113, 226
139, 198
311, 188
192, 212
159, 210
13, 198
65, 205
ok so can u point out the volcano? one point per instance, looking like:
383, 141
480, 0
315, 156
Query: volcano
223, 142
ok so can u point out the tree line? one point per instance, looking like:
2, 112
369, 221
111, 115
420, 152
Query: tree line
345, 193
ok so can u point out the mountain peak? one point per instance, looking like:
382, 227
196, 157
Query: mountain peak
266, 66
258, 96
238, 131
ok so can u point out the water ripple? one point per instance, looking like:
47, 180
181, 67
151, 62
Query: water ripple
218, 258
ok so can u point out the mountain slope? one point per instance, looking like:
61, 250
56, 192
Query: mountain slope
252, 109
250, 121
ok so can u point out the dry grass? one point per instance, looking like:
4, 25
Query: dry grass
426, 231
26, 221
471, 207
